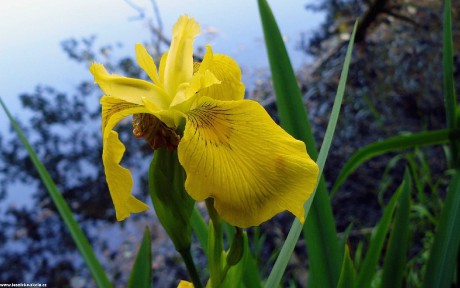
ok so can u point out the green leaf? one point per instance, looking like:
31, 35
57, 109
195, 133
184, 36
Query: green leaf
66, 214
348, 273
446, 244
393, 144
369, 265
447, 65
343, 240
200, 229
236, 273
322, 243
173, 206
395, 257
251, 277
141, 273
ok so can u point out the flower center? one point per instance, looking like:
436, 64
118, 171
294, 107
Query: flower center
155, 132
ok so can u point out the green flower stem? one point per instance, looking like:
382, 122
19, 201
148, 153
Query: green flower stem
191, 268
215, 245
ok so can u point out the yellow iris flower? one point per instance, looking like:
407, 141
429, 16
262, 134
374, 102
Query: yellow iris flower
230, 148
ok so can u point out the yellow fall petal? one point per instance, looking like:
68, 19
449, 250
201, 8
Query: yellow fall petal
233, 152
179, 63
146, 62
227, 71
128, 89
119, 179
114, 109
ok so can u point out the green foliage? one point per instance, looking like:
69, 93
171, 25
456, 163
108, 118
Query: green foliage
395, 257
173, 205
369, 265
141, 273
348, 273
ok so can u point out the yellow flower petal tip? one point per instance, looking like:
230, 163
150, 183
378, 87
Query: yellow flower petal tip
232, 151
184, 284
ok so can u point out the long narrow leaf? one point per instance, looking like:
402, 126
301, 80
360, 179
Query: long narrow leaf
397, 143
446, 244
141, 273
327, 268
369, 265
200, 229
395, 258
447, 63
347, 276
319, 231
77, 234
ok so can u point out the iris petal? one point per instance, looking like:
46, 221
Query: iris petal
146, 62
227, 71
128, 89
118, 178
233, 152
179, 63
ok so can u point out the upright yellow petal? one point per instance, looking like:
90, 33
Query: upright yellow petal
163, 59
128, 89
146, 62
233, 152
229, 74
179, 63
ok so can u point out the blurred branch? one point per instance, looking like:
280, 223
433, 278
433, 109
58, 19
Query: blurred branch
366, 21
400, 17
139, 10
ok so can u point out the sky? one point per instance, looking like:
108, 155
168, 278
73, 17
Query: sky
31, 32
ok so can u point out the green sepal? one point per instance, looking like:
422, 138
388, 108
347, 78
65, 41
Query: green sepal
141, 273
235, 253
173, 206
235, 274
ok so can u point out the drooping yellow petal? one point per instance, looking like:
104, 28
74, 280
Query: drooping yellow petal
233, 152
179, 63
227, 71
128, 89
146, 62
114, 109
119, 178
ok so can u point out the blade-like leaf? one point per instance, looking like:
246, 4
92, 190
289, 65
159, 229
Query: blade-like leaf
64, 211
200, 229
348, 273
322, 243
390, 145
369, 265
446, 244
141, 273
395, 258
447, 63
